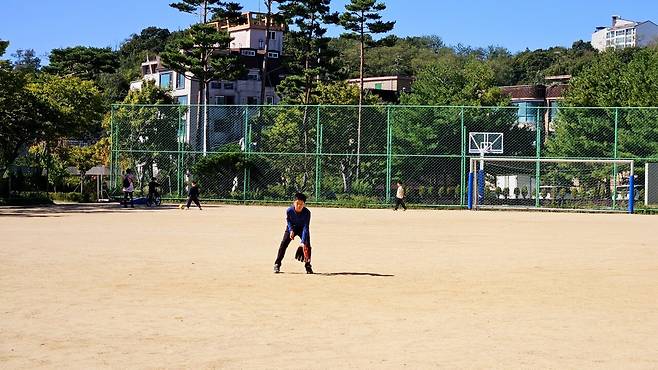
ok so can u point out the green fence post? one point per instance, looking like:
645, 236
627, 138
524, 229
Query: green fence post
116, 170
113, 162
320, 163
179, 167
538, 156
317, 153
389, 152
614, 166
462, 173
246, 149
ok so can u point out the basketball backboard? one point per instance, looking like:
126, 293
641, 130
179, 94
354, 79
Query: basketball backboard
485, 143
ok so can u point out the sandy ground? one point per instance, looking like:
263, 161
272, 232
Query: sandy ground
88, 288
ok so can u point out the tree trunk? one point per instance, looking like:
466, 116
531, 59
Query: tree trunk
346, 171
358, 129
205, 118
204, 87
263, 72
198, 116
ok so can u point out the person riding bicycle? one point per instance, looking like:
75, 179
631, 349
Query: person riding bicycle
153, 189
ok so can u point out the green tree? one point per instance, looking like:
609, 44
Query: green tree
86, 63
288, 134
306, 47
435, 133
361, 18
77, 106
21, 115
456, 81
148, 128
100, 65
270, 17
390, 56
133, 51
83, 158
200, 51
26, 61
529, 66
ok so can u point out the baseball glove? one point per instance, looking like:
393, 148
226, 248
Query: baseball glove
299, 255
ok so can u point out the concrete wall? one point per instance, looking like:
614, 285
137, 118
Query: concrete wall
598, 39
651, 184
647, 34
516, 181
251, 39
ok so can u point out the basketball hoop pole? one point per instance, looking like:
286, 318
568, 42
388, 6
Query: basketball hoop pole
480, 180
470, 183
480, 143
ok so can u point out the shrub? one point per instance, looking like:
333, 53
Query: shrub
574, 193
524, 191
72, 197
275, 192
361, 187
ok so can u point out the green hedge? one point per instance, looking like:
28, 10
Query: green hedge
26, 199
72, 197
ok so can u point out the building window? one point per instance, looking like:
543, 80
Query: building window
261, 44
272, 35
180, 80
272, 54
248, 53
215, 85
165, 81
220, 100
181, 100
528, 112
228, 86
252, 100
253, 77
269, 100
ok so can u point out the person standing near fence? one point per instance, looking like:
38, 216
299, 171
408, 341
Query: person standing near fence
399, 197
128, 188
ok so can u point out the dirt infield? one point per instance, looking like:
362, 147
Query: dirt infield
86, 287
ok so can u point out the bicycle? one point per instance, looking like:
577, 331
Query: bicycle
153, 199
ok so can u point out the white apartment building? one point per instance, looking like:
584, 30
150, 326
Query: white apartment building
625, 33
225, 123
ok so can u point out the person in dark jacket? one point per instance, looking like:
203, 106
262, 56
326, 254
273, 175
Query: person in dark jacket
193, 196
298, 222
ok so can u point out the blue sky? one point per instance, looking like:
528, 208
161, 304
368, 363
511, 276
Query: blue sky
515, 24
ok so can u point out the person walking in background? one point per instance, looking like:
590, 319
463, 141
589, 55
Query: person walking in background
128, 188
193, 196
399, 197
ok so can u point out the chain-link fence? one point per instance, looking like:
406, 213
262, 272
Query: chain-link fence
354, 156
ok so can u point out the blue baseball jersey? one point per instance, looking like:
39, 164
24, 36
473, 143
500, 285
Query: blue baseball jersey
297, 221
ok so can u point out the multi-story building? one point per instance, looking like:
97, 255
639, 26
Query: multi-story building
249, 44
624, 33
538, 104
388, 88
249, 37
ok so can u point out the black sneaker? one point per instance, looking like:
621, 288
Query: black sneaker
277, 269
309, 270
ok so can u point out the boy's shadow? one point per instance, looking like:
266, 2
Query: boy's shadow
344, 274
